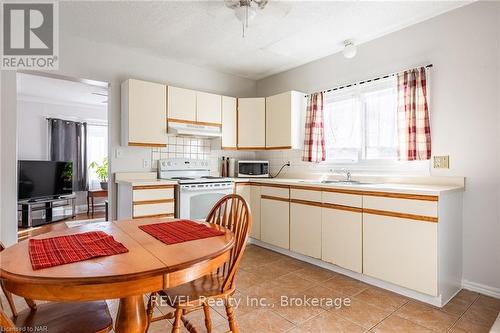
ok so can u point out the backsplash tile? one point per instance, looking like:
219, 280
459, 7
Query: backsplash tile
197, 148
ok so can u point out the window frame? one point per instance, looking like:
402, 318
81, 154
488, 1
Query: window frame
383, 165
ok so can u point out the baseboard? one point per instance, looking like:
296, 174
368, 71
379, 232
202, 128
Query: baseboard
481, 288
433, 300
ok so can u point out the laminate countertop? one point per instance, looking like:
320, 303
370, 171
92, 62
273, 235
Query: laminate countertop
418, 189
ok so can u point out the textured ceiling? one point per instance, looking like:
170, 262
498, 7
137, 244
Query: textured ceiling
206, 33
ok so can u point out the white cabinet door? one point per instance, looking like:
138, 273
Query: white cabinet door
274, 222
144, 112
255, 207
285, 120
305, 229
181, 104
251, 194
229, 122
401, 251
208, 108
251, 123
341, 242
279, 121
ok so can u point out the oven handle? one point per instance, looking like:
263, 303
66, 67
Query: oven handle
205, 189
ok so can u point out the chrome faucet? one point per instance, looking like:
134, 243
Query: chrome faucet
347, 173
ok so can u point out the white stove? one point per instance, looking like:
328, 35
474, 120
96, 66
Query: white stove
197, 191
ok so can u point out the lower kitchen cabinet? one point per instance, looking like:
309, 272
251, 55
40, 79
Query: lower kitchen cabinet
401, 251
342, 238
275, 222
251, 194
305, 229
139, 201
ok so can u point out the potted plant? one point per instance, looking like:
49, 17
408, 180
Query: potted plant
101, 169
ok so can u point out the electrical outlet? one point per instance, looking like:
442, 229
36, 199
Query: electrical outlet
119, 152
146, 163
442, 162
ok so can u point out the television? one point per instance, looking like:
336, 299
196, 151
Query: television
44, 179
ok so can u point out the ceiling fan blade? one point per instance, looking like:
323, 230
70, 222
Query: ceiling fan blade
261, 3
232, 3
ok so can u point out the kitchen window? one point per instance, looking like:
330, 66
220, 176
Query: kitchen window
361, 122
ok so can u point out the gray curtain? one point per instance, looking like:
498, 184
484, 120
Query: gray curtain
68, 142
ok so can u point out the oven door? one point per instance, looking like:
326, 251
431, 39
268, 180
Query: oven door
196, 200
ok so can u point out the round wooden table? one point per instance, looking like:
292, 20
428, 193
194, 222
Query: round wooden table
149, 266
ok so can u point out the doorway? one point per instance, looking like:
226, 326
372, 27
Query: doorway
62, 155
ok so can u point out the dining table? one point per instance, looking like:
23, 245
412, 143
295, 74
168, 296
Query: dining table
148, 266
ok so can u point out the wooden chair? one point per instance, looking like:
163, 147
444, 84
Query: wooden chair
231, 212
75, 317
8, 295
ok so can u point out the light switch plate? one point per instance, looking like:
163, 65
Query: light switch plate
442, 162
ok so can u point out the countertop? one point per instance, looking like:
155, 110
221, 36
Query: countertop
422, 189
146, 182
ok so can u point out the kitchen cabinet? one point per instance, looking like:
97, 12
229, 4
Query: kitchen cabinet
208, 108
229, 123
140, 201
305, 222
275, 216
284, 120
143, 108
402, 251
251, 123
341, 239
181, 104
251, 194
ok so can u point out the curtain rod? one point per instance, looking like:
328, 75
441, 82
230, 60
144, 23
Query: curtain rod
76, 121
370, 80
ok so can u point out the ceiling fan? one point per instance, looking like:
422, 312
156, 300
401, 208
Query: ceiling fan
245, 10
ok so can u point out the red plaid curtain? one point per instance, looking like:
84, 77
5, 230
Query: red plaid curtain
314, 139
414, 129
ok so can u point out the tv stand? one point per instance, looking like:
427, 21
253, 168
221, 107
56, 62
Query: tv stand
35, 212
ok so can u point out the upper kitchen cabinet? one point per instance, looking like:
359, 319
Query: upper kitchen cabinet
144, 107
208, 108
251, 123
284, 114
229, 122
181, 104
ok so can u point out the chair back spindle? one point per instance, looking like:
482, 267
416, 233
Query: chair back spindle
232, 212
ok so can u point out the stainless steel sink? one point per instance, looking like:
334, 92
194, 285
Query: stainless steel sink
343, 182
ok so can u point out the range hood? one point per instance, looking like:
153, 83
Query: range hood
200, 131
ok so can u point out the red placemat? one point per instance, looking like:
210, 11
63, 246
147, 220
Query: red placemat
62, 250
180, 231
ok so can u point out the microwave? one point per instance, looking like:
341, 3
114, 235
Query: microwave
253, 169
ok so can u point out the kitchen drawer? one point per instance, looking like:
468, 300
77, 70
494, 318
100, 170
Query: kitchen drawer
152, 209
307, 195
280, 192
351, 200
404, 206
153, 194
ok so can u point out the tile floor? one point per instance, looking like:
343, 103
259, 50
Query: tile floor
268, 275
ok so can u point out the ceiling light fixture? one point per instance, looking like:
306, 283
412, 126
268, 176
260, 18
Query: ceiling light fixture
349, 49
245, 10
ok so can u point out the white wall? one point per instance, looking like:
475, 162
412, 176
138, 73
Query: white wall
8, 165
82, 58
32, 124
464, 47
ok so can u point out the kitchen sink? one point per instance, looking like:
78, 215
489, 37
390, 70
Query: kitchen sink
339, 182
344, 182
